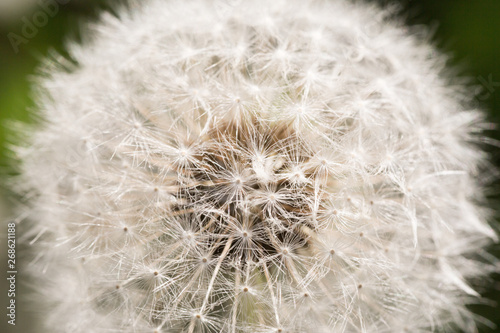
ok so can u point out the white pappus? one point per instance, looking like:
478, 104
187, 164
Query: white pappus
255, 166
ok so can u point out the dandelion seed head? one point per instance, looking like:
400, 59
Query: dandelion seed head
257, 166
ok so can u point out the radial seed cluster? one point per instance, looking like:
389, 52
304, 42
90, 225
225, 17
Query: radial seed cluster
254, 166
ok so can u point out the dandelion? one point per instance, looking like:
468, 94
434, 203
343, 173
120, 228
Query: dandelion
257, 166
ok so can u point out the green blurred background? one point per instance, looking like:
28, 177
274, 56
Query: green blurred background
467, 30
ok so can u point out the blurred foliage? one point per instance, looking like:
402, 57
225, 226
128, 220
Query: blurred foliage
468, 30
18, 68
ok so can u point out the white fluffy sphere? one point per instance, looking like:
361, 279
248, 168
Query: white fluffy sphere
255, 166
